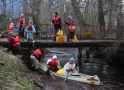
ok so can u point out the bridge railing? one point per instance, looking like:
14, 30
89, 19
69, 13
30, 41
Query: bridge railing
82, 31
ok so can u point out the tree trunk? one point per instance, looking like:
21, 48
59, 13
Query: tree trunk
101, 19
78, 14
119, 20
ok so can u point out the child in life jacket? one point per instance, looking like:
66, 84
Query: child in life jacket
53, 64
11, 28
71, 67
30, 30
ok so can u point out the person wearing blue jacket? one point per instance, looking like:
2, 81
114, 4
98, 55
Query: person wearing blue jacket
30, 29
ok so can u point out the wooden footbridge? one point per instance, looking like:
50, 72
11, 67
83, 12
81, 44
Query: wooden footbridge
80, 43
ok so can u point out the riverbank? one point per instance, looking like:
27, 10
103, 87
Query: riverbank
14, 75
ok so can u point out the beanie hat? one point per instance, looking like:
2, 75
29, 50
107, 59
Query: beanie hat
30, 21
54, 57
56, 13
72, 59
69, 17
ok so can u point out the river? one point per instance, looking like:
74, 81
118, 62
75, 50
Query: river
111, 77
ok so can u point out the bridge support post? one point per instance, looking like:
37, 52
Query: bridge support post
80, 57
87, 55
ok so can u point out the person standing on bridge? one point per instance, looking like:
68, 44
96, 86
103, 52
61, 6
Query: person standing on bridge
11, 28
14, 44
30, 29
22, 26
71, 28
71, 67
35, 57
57, 23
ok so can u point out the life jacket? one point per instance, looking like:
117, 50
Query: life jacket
71, 66
53, 64
56, 20
16, 41
37, 52
70, 22
10, 29
21, 21
30, 27
71, 28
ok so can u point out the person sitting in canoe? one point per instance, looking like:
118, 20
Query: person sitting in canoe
71, 67
53, 64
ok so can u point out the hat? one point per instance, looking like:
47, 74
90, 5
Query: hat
69, 17
56, 13
72, 59
54, 57
11, 24
30, 21
22, 15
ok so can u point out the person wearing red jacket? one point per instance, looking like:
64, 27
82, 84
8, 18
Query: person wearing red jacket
14, 44
22, 25
57, 23
35, 57
11, 28
53, 64
70, 23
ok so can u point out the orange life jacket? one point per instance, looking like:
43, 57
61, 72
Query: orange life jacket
16, 41
37, 52
53, 64
30, 27
71, 28
56, 20
11, 28
21, 21
70, 22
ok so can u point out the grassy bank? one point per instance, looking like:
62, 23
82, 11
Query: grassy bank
11, 76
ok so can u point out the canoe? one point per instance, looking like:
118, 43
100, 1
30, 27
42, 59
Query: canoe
81, 78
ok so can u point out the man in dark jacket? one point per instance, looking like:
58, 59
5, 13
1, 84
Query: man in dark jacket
35, 57
14, 44
57, 23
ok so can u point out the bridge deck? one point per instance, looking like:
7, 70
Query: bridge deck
80, 43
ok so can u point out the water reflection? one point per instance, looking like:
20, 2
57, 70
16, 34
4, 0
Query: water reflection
111, 77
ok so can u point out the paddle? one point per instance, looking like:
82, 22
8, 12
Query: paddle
54, 78
67, 76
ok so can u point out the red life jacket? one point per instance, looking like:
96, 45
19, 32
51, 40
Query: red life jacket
10, 29
37, 52
56, 20
21, 21
71, 28
16, 41
53, 64
70, 22
30, 27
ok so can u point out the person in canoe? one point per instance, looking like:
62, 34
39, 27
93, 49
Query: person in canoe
53, 64
71, 67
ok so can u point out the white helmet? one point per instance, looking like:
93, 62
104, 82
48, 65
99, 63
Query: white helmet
22, 15
54, 57
11, 24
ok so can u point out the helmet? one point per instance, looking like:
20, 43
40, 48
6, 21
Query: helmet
56, 13
69, 17
22, 15
72, 59
30, 21
11, 24
54, 57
